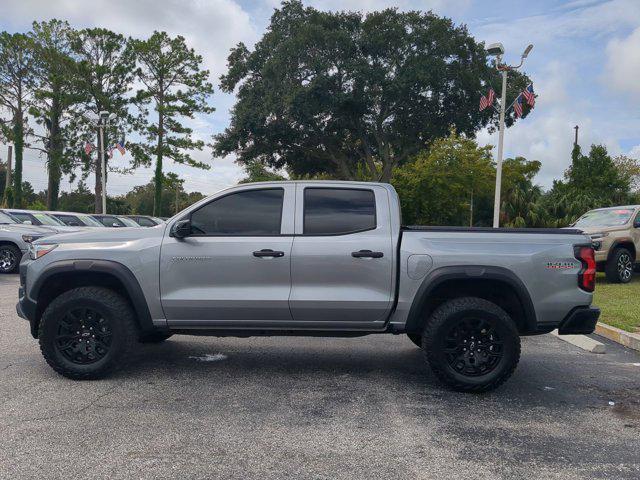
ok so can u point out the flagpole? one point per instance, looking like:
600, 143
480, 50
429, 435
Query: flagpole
497, 50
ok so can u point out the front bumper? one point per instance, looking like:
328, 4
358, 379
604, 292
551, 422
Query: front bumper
581, 321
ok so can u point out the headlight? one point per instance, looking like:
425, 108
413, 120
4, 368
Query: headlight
30, 238
597, 236
37, 251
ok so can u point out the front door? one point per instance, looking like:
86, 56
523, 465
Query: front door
342, 257
235, 267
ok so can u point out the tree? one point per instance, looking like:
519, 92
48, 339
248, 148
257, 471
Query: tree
257, 172
16, 83
331, 92
521, 206
54, 95
442, 185
629, 168
141, 198
105, 65
591, 181
177, 86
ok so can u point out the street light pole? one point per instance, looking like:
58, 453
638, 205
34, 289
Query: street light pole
498, 50
503, 106
103, 167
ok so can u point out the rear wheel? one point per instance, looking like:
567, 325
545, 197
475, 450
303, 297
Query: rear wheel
10, 256
619, 268
471, 344
87, 332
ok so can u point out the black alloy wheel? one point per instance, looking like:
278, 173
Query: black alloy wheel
84, 336
473, 347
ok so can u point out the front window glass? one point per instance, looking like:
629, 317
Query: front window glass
609, 217
252, 212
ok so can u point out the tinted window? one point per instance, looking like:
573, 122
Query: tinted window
254, 212
25, 217
69, 220
109, 221
330, 211
144, 222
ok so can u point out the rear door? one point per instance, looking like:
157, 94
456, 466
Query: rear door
342, 257
234, 270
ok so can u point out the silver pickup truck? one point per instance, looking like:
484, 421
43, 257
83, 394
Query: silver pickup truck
307, 258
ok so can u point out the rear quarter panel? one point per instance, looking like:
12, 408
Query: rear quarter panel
553, 291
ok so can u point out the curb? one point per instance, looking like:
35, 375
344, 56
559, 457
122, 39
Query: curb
628, 339
582, 341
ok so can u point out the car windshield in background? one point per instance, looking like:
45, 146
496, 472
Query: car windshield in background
89, 221
605, 218
128, 222
47, 219
6, 219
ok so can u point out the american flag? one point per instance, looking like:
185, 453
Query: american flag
487, 101
529, 95
517, 106
120, 148
87, 148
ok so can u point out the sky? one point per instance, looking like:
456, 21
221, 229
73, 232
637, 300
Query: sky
585, 66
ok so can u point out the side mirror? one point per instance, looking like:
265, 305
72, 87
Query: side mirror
181, 229
115, 224
27, 222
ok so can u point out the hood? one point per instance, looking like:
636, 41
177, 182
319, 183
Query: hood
596, 229
26, 229
106, 235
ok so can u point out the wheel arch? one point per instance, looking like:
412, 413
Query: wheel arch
65, 275
623, 243
496, 284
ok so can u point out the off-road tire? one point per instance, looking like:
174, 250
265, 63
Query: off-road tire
112, 306
13, 252
416, 339
611, 269
451, 313
157, 337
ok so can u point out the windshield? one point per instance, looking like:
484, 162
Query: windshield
47, 220
610, 217
6, 219
89, 222
128, 222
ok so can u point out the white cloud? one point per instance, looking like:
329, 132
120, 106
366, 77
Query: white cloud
623, 64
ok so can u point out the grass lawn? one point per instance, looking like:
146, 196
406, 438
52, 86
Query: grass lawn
620, 303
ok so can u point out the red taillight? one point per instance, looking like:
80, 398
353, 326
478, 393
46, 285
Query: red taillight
587, 274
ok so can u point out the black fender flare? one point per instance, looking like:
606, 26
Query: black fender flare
470, 272
619, 242
116, 269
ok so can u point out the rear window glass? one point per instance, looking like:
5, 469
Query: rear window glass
335, 211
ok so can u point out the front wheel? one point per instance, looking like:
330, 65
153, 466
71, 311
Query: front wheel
10, 256
619, 268
471, 344
87, 332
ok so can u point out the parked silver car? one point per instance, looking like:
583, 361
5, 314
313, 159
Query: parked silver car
14, 241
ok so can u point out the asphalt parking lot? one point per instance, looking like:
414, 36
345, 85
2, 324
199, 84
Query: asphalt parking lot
313, 408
